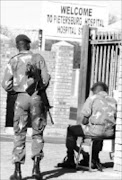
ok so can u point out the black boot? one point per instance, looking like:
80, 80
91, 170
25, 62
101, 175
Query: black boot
17, 172
36, 174
68, 161
85, 160
96, 161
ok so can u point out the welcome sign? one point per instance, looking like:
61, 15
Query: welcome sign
66, 20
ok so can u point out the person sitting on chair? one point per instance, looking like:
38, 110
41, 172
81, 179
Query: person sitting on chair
98, 118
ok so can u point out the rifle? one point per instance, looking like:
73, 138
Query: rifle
33, 72
45, 101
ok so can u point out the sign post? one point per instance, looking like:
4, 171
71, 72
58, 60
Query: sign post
83, 71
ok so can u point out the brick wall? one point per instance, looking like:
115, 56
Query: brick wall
63, 82
118, 140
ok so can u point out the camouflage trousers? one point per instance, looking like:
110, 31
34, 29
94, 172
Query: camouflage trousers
26, 105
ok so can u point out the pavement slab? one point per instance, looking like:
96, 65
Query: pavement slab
54, 152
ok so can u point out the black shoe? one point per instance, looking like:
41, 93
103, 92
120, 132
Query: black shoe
97, 165
85, 160
17, 172
83, 163
67, 163
36, 174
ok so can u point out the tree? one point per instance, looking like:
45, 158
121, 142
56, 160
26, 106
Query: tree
5, 31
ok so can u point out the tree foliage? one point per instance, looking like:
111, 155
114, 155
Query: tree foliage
5, 31
11, 42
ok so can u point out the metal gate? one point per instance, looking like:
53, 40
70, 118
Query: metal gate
104, 49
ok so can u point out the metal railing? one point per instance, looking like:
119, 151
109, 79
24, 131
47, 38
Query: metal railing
105, 58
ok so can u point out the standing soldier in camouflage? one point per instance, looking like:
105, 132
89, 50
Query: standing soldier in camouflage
98, 118
17, 79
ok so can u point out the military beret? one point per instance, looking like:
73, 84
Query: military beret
103, 85
22, 37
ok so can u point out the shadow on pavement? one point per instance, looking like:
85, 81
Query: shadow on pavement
108, 164
27, 178
53, 173
57, 172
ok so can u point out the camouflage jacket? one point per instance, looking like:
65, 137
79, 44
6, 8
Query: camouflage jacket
15, 77
100, 109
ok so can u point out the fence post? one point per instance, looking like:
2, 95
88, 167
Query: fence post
83, 70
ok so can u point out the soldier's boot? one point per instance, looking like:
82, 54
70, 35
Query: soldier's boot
36, 174
17, 173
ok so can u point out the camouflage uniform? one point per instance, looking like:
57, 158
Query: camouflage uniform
15, 78
100, 109
100, 112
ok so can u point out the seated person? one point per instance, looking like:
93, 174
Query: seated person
98, 117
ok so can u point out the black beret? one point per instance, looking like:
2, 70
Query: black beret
22, 37
103, 85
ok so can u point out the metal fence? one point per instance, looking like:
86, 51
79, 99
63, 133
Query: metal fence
104, 58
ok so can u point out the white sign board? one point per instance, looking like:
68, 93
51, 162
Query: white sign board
66, 20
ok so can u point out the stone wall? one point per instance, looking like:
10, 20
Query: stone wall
118, 139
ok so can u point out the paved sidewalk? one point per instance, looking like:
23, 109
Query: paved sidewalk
54, 151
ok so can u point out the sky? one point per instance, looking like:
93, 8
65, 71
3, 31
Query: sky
26, 14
